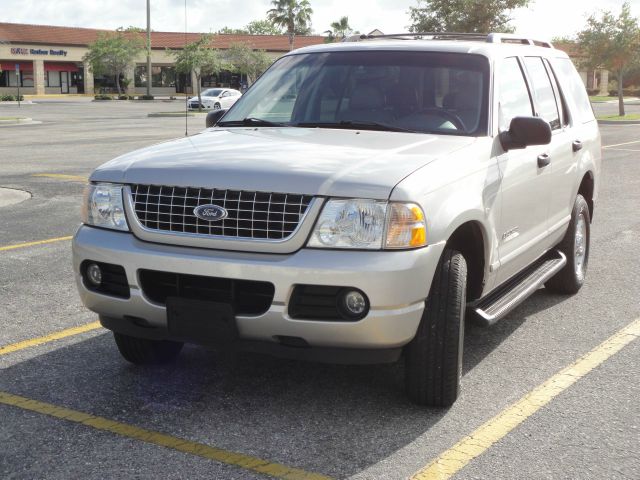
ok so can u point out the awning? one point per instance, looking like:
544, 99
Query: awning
11, 66
60, 67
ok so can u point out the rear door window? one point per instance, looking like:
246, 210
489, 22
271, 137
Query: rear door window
543, 91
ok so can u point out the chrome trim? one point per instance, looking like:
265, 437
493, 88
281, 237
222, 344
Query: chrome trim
293, 242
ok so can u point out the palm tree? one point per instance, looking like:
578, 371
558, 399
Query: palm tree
340, 29
292, 15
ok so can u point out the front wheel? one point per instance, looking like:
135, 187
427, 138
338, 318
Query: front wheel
141, 351
433, 359
575, 246
217, 106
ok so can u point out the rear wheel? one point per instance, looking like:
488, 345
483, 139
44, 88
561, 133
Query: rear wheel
146, 352
433, 359
575, 246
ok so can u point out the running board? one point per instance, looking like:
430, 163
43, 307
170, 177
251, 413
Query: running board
507, 297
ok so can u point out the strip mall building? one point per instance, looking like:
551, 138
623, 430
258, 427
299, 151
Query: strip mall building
47, 60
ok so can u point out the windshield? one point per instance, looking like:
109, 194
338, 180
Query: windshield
427, 92
212, 92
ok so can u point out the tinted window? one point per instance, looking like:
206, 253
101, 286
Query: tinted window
562, 104
419, 91
543, 91
213, 92
573, 86
514, 97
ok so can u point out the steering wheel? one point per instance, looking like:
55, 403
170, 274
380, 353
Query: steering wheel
447, 115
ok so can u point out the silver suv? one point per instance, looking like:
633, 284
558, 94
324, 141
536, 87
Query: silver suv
352, 207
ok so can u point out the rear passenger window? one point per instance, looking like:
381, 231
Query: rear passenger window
546, 99
573, 86
514, 100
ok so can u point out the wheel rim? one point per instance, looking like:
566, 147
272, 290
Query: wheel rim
216, 107
580, 247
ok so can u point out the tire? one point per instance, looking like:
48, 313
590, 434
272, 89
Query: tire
575, 246
141, 351
433, 359
217, 106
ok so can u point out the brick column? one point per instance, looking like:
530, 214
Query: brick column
604, 82
38, 77
88, 79
129, 74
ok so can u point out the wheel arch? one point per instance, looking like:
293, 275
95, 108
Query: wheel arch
469, 239
587, 190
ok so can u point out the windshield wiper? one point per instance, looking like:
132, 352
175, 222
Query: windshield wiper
251, 122
357, 124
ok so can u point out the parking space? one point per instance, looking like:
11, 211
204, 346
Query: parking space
215, 415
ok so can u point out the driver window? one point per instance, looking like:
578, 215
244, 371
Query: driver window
513, 97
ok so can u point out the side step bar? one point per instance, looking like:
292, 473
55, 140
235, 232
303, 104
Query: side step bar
497, 304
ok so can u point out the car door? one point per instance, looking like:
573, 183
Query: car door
525, 186
225, 99
561, 160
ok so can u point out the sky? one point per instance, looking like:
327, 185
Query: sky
543, 19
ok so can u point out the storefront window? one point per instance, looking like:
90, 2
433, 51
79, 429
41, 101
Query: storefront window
163, 76
8, 78
140, 76
52, 79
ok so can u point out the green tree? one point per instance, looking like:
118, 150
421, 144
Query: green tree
339, 30
113, 52
263, 27
201, 59
292, 15
233, 31
463, 16
243, 59
613, 43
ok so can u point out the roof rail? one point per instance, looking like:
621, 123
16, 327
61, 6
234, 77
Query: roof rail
482, 37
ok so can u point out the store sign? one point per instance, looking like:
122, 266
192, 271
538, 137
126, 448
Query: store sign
38, 51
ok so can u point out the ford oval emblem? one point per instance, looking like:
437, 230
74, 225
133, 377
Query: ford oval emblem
210, 213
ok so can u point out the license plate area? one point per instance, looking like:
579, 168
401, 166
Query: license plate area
201, 321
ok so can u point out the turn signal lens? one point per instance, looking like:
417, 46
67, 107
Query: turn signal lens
406, 227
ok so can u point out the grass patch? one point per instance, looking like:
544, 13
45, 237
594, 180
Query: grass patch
11, 118
598, 98
629, 116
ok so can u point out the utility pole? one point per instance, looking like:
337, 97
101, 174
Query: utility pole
148, 48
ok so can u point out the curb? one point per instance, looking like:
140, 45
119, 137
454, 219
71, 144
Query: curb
618, 122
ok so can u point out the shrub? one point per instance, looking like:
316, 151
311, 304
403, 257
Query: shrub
145, 97
7, 98
593, 91
126, 97
103, 97
627, 92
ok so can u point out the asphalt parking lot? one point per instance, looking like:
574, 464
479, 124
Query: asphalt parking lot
71, 407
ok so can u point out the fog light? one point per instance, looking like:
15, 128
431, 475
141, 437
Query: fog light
354, 304
94, 274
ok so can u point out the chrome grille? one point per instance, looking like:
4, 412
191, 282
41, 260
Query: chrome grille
251, 215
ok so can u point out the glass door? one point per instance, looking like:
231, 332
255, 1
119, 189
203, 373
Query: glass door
64, 82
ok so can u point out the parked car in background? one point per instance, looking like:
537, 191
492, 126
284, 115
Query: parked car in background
215, 99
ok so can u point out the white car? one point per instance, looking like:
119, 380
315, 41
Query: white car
216, 98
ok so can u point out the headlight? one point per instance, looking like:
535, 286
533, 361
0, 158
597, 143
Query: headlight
369, 224
103, 207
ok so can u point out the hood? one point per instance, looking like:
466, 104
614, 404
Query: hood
312, 161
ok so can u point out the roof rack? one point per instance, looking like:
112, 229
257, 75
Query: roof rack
482, 37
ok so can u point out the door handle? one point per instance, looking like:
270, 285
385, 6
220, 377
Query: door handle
577, 145
544, 160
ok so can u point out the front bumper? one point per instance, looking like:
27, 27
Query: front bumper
396, 282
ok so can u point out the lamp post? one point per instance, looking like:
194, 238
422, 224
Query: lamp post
148, 48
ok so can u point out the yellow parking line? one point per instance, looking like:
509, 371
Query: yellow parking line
246, 462
31, 244
69, 332
62, 176
457, 457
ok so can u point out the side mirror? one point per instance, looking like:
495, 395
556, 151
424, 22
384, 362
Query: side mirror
525, 131
214, 116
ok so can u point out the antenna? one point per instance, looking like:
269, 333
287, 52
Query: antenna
186, 96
